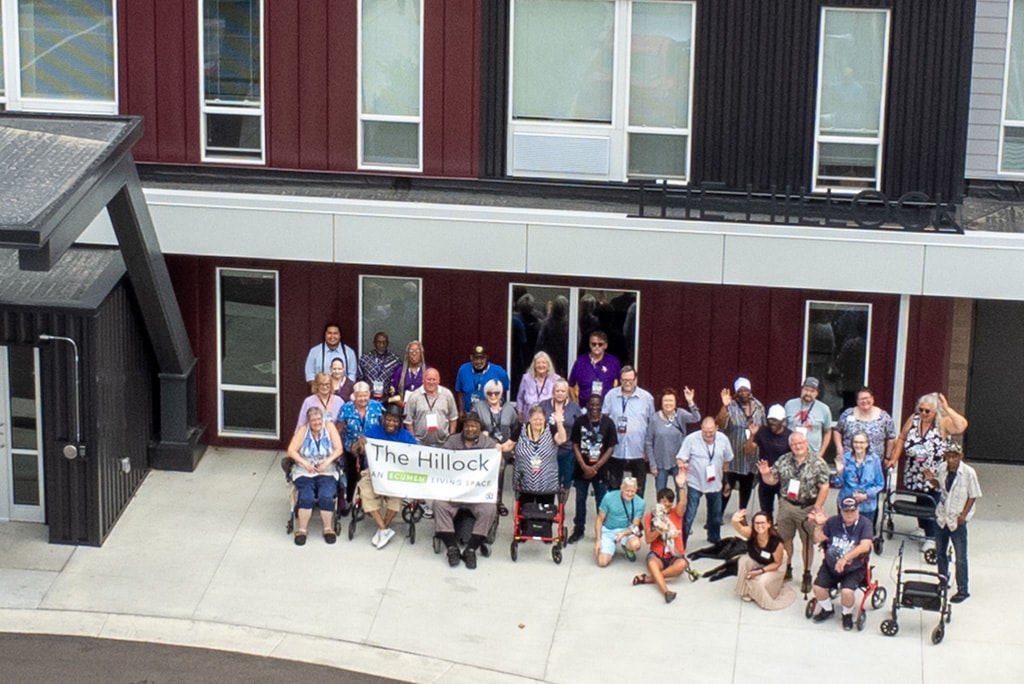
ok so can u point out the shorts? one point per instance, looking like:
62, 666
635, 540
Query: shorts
793, 518
828, 577
608, 540
369, 499
666, 563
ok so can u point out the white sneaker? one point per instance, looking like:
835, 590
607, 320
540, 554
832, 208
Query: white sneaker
385, 537
428, 511
928, 545
375, 540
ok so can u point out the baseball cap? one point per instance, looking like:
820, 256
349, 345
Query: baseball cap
741, 382
776, 412
810, 381
848, 504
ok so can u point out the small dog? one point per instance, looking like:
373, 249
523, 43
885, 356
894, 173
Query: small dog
661, 521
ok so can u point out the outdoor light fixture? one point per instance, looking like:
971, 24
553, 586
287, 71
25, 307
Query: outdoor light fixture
76, 449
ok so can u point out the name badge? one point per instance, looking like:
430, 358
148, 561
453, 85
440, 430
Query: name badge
474, 398
378, 388
596, 387
793, 489
764, 554
710, 474
535, 465
431, 422
620, 424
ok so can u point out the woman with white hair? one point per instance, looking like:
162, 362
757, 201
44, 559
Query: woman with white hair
500, 422
537, 384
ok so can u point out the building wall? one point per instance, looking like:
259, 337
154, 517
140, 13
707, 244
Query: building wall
988, 70
690, 334
310, 83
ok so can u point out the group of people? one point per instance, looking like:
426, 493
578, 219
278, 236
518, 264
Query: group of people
599, 432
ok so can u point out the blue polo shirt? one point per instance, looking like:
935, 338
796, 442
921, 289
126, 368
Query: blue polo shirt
471, 383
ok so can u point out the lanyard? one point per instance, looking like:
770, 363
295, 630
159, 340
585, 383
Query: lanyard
711, 451
632, 508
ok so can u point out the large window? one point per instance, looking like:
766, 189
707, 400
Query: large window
58, 56
392, 305
852, 66
1011, 149
837, 346
600, 89
231, 39
559, 320
247, 334
390, 84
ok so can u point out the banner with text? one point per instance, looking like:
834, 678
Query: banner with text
422, 472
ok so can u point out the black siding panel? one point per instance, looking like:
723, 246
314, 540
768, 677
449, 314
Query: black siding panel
494, 65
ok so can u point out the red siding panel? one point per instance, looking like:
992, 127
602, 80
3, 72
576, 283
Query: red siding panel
342, 60
461, 106
281, 70
313, 67
137, 81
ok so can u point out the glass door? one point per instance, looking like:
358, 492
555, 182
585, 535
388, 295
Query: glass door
21, 462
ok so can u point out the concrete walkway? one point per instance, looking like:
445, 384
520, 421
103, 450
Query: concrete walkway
202, 559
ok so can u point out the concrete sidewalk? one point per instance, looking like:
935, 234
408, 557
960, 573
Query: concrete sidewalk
202, 559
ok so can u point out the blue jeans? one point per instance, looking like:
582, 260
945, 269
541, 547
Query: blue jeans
322, 489
566, 461
959, 539
714, 518
664, 476
579, 521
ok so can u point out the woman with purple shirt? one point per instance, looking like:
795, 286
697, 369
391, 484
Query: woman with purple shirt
537, 383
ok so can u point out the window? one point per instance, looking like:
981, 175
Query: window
1011, 148
58, 56
852, 66
393, 305
600, 89
231, 40
390, 84
540, 316
837, 345
247, 334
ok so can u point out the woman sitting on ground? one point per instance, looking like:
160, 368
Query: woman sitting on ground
314, 449
762, 570
663, 532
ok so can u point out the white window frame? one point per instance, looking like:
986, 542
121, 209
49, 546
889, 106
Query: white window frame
247, 108
364, 332
835, 305
12, 100
817, 184
386, 118
1004, 120
616, 132
223, 387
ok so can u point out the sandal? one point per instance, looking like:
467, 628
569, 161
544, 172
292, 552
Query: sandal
640, 579
502, 510
329, 536
300, 537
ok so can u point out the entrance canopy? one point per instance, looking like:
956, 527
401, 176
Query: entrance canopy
58, 173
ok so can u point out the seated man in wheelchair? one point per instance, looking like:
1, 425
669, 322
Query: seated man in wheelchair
847, 540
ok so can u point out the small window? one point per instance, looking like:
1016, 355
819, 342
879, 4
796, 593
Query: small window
852, 67
559, 320
837, 345
58, 56
1011, 148
231, 35
247, 336
390, 84
393, 305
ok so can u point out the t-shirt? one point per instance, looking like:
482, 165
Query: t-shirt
772, 445
471, 383
593, 439
811, 420
841, 538
619, 513
676, 550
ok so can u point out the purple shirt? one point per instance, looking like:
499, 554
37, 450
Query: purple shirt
585, 373
532, 392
